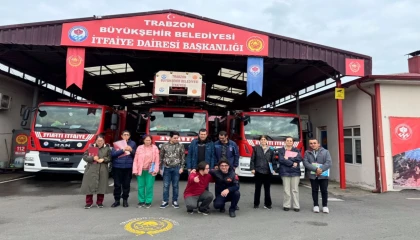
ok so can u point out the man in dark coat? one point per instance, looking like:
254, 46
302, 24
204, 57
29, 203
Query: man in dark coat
226, 188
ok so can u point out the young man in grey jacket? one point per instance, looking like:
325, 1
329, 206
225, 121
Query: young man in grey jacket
172, 162
317, 161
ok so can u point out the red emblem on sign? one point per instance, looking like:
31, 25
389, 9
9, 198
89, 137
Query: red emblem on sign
355, 67
255, 44
75, 61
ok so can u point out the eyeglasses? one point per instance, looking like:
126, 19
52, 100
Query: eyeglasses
126, 134
224, 165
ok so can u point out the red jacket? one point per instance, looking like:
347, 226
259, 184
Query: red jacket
196, 189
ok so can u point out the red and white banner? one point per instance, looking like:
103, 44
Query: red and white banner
405, 149
355, 67
405, 134
75, 66
66, 136
164, 32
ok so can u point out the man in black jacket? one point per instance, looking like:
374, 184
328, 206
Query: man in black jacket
226, 187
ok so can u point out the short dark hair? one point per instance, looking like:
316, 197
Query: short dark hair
223, 161
202, 130
263, 136
173, 133
313, 139
289, 137
222, 133
202, 166
147, 136
125, 131
100, 135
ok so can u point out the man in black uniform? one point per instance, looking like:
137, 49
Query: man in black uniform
226, 188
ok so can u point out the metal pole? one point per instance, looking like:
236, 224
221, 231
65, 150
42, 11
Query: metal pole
340, 124
297, 104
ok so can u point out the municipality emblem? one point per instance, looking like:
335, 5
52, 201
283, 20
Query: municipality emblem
78, 34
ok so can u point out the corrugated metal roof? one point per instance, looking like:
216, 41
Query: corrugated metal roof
49, 34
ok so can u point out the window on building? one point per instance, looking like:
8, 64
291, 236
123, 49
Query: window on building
352, 145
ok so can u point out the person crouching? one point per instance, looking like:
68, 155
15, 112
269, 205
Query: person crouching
226, 187
196, 192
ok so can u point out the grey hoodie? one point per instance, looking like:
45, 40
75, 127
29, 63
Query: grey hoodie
322, 157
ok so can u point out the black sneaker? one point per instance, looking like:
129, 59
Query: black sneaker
256, 206
286, 209
222, 210
268, 207
87, 206
232, 214
148, 205
204, 211
190, 211
115, 204
140, 205
100, 205
296, 209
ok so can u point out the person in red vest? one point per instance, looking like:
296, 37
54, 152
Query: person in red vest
196, 192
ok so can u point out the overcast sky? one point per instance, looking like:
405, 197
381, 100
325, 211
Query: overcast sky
386, 30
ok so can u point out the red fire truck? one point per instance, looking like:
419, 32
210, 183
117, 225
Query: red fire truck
62, 131
178, 94
245, 128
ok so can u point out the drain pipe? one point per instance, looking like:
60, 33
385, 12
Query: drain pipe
375, 138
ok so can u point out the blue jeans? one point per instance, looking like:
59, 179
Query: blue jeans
170, 175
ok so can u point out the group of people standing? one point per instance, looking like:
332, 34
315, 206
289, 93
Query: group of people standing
206, 162
286, 162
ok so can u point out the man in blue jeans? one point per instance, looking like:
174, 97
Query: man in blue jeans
172, 162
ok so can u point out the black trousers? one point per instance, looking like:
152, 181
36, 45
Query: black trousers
122, 180
261, 179
232, 197
323, 184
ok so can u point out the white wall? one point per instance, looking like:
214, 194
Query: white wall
22, 94
322, 111
399, 99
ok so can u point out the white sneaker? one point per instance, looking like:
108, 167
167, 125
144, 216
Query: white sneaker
325, 210
316, 209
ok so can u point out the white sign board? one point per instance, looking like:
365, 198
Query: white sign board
166, 80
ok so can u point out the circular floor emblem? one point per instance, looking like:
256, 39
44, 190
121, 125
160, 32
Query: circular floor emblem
150, 226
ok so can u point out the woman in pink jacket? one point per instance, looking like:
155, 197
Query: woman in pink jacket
146, 167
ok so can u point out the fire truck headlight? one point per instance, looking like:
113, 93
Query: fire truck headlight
28, 159
244, 164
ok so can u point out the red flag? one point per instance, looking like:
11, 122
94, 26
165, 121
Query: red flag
405, 134
75, 66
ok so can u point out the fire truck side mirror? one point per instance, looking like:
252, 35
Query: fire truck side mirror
25, 116
216, 124
23, 123
309, 128
114, 121
232, 126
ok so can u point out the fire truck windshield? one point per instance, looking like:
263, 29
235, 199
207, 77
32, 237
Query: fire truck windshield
186, 123
276, 127
68, 119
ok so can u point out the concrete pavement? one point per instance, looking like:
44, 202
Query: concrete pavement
50, 207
